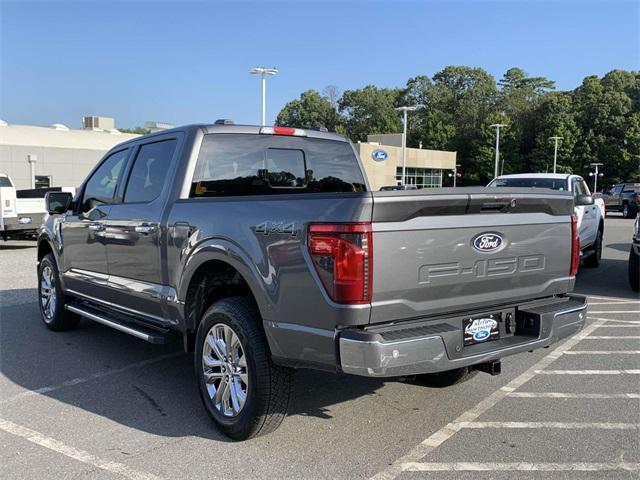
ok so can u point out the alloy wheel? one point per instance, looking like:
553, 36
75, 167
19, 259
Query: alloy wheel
224, 367
48, 299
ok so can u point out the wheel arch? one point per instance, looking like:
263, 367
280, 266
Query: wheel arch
214, 273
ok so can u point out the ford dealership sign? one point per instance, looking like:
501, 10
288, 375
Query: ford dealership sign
379, 155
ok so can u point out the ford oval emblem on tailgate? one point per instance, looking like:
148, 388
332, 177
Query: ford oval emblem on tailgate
487, 242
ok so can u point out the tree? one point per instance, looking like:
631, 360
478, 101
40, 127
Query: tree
311, 110
370, 111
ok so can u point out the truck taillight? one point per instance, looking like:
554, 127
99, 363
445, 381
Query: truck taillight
575, 246
342, 255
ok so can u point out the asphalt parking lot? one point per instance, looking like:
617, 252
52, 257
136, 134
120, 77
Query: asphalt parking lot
95, 403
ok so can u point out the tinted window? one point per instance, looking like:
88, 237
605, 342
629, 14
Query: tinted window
579, 188
552, 183
102, 185
5, 182
240, 164
149, 171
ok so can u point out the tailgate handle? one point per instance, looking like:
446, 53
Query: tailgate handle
498, 206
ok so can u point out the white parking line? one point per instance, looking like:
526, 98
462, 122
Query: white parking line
546, 425
446, 432
621, 326
615, 311
613, 337
588, 372
93, 376
603, 352
616, 299
607, 320
589, 396
72, 452
518, 467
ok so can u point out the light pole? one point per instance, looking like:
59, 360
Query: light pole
264, 71
555, 151
595, 176
404, 110
497, 126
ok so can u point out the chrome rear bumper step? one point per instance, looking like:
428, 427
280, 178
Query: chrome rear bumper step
132, 328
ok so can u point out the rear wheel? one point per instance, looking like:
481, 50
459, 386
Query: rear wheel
634, 273
243, 391
593, 260
51, 299
448, 378
627, 211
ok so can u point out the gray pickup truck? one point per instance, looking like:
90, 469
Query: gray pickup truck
266, 250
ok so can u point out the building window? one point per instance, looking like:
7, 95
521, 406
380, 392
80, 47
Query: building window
43, 181
421, 177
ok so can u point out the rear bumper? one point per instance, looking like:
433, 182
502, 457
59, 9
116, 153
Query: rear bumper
31, 221
436, 347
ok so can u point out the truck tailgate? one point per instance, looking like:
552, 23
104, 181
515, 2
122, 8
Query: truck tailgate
449, 250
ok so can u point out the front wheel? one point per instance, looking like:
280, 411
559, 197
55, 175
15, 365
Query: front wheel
243, 391
627, 211
51, 299
634, 273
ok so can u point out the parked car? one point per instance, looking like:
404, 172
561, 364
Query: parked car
623, 197
22, 211
590, 210
265, 249
634, 256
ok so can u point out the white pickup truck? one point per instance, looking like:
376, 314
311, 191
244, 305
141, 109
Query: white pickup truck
22, 211
590, 210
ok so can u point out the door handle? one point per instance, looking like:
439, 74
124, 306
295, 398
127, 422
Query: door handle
97, 227
145, 228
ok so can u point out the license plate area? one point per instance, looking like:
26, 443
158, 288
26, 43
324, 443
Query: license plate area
488, 327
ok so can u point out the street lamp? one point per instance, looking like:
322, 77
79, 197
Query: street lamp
404, 110
555, 151
497, 126
264, 71
595, 175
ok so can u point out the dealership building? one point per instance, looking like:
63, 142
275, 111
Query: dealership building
59, 156
382, 159
55, 156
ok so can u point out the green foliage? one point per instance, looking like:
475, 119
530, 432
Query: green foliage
136, 130
599, 120
311, 110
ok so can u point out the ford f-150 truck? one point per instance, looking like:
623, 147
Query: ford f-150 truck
265, 250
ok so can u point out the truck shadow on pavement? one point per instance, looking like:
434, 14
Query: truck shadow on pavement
142, 386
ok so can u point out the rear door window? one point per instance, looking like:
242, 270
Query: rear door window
245, 164
149, 172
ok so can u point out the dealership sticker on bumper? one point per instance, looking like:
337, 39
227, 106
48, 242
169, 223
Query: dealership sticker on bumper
477, 330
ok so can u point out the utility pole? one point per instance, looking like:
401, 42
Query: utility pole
555, 151
404, 110
263, 72
497, 126
595, 176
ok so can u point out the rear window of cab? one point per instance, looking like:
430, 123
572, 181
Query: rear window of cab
248, 164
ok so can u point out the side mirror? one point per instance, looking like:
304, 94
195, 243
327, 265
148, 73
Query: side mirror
582, 200
57, 202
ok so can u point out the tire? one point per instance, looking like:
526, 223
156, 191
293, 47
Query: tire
634, 273
447, 378
593, 260
627, 211
247, 394
51, 299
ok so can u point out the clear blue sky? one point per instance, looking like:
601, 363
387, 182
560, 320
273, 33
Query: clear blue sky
185, 62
